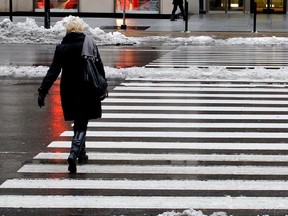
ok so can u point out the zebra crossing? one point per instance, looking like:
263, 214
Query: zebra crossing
205, 56
166, 145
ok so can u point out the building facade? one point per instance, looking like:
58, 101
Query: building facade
155, 7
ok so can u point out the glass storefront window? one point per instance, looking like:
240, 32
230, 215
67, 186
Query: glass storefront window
223, 4
137, 6
271, 6
57, 5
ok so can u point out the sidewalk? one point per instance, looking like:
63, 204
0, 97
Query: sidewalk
216, 24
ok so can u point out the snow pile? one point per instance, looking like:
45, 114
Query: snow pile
210, 41
30, 33
214, 72
191, 212
210, 73
258, 41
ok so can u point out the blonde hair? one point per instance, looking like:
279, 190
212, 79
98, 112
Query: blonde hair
74, 24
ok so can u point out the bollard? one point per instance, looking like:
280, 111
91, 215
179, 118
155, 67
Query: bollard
11, 10
255, 17
124, 26
47, 14
186, 16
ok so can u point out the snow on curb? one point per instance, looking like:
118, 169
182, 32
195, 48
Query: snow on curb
210, 73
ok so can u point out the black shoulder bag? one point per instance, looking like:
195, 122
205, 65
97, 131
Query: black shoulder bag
91, 75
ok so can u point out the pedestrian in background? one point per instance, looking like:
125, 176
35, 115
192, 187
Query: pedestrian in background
176, 4
78, 103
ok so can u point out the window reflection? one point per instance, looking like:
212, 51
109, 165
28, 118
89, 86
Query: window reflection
57, 5
222, 4
137, 6
270, 6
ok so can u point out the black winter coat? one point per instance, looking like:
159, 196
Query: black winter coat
178, 2
77, 99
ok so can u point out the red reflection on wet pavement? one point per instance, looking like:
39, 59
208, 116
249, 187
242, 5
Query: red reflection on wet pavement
57, 123
125, 59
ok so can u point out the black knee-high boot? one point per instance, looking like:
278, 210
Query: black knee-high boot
83, 157
76, 147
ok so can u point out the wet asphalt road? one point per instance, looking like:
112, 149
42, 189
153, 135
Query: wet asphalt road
112, 56
26, 129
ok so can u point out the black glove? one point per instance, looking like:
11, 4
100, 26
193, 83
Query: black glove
41, 97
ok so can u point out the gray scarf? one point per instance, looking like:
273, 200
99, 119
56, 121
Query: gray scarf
89, 47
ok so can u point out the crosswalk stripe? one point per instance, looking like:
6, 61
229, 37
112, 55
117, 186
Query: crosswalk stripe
202, 64
121, 115
176, 146
201, 89
194, 101
138, 79
198, 60
175, 84
159, 170
168, 157
187, 125
145, 202
181, 185
168, 134
183, 95
197, 108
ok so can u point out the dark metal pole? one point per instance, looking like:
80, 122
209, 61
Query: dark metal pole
11, 10
186, 16
255, 17
47, 21
124, 26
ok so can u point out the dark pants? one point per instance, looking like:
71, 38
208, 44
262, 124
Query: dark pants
175, 9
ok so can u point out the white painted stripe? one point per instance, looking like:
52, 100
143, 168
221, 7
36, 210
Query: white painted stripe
176, 146
223, 62
121, 115
142, 84
180, 185
187, 125
182, 58
193, 101
180, 95
169, 157
219, 58
146, 202
234, 66
200, 81
238, 57
201, 89
169, 134
158, 170
198, 108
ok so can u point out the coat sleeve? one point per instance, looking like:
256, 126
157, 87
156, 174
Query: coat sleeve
52, 73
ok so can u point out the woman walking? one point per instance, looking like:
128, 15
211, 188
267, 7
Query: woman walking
77, 100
